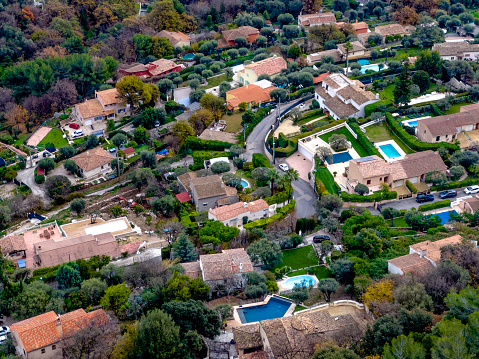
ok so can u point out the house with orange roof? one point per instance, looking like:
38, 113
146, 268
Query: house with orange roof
422, 256
256, 93
271, 66
177, 39
107, 104
322, 18
41, 336
153, 70
229, 36
358, 27
235, 215
94, 162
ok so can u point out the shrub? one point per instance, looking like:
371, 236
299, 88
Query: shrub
248, 166
364, 140
263, 222
199, 144
456, 184
277, 198
40, 179
220, 167
200, 156
435, 230
238, 162
378, 196
411, 187
435, 205
260, 160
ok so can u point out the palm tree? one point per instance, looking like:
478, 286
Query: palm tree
291, 175
274, 176
282, 181
348, 47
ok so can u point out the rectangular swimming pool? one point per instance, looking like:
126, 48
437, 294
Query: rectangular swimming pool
275, 308
445, 216
339, 158
390, 151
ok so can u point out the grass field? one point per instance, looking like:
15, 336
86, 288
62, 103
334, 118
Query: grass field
214, 81
233, 122
381, 132
142, 148
20, 139
321, 272
298, 258
343, 131
327, 178
398, 222
55, 136
457, 107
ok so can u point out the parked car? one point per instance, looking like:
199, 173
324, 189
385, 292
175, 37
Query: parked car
284, 167
78, 133
321, 238
424, 198
76, 126
157, 124
450, 193
111, 150
4, 333
471, 190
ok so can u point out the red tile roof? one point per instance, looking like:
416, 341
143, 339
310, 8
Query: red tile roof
12, 243
249, 93
129, 150
38, 331
318, 79
91, 159
236, 209
183, 197
270, 66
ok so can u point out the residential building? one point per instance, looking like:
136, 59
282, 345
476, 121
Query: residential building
373, 170
247, 339
324, 18
220, 270
51, 253
358, 27
117, 227
469, 205
229, 36
256, 93
342, 97
94, 162
463, 50
393, 30
357, 49
208, 192
177, 39
446, 128
422, 256
129, 152
318, 56
41, 336
106, 104
152, 70
234, 215
271, 66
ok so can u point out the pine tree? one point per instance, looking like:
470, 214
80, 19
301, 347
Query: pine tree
185, 249
402, 91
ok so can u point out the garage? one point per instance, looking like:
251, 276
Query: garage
413, 180
399, 183
469, 127
88, 122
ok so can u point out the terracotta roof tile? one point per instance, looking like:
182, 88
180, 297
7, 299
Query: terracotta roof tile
160, 66
390, 29
90, 108
255, 355
129, 150
356, 94
185, 178
174, 37
247, 336
341, 109
270, 66
412, 263
447, 124
92, 159
416, 164
357, 46
38, 331
433, 249
317, 19
192, 269
234, 210
316, 57
109, 97
455, 48
211, 186
183, 197
249, 93
226, 264
242, 31
12, 243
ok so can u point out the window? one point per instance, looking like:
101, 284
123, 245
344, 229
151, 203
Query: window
438, 138
380, 178
54, 347
368, 182
205, 204
43, 351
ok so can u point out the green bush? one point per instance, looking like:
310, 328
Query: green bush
279, 197
301, 92
260, 160
376, 197
43, 271
263, 222
200, 156
413, 142
436, 111
435, 205
435, 230
282, 140
456, 184
411, 187
39, 179
318, 129
364, 140
369, 109
199, 144
248, 166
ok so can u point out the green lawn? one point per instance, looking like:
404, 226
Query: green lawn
457, 107
398, 222
20, 139
298, 308
354, 142
327, 178
298, 258
55, 136
233, 122
321, 272
381, 132
142, 148
214, 81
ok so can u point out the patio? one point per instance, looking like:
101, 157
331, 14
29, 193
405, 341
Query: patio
422, 187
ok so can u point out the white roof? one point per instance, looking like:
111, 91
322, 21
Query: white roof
219, 159
264, 84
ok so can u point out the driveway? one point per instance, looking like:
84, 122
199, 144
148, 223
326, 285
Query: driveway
27, 176
87, 130
305, 198
301, 164
61, 171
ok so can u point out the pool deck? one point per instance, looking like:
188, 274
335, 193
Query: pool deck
237, 318
396, 147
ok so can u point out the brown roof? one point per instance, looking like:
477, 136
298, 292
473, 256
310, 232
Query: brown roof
247, 336
255, 355
356, 94
109, 97
341, 109
234, 210
412, 263
249, 93
416, 164
446, 124
50, 253
226, 264
317, 19
174, 37
334, 53
455, 48
356, 25
160, 66
473, 203
192, 269
467, 108
242, 31
129, 150
357, 46
433, 249
270, 66
79, 319
135, 68
211, 186
89, 108
185, 178
390, 29
91, 159
372, 166
13, 243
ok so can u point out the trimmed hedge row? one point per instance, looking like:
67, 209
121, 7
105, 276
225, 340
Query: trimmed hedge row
364, 140
435, 205
299, 93
456, 184
260, 160
288, 150
200, 156
239, 60
279, 197
199, 144
411, 187
319, 129
437, 230
369, 109
376, 197
263, 222
413, 142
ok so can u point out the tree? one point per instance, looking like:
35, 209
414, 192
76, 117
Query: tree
67, 151
46, 164
32, 301
141, 177
404, 347
70, 166
184, 249
116, 298
166, 205
406, 16
383, 331
68, 275
92, 141
390, 213
58, 188
421, 78
343, 270
457, 172
132, 90
220, 167
141, 135
218, 230
452, 340
402, 91
265, 252
437, 178
236, 150
94, 288
157, 336
278, 94
334, 352
331, 202
117, 165
327, 286
461, 305
17, 117
361, 189
428, 32
182, 130
213, 104
119, 139
77, 205
117, 211
338, 141
148, 159
412, 295
151, 116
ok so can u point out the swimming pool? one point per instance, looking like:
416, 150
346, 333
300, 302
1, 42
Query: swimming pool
299, 280
339, 158
412, 123
445, 216
275, 308
373, 67
189, 56
390, 151
244, 183
363, 62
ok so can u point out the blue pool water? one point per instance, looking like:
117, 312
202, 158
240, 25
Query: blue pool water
276, 308
412, 123
298, 280
244, 184
363, 62
445, 216
189, 56
339, 158
374, 67
390, 151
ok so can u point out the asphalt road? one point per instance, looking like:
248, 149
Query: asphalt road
27, 176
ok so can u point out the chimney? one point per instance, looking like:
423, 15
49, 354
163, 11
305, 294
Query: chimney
423, 252
222, 184
58, 321
241, 267
377, 96
245, 204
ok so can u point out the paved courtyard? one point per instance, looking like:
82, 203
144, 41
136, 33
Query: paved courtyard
301, 164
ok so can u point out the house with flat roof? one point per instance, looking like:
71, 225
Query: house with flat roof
271, 66
313, 58
255, 93
41, 336
321, 18
373, 170
229, 36
234, 215
107, 104
176, 38
446, 128
94, 162
450, 51
422, 256
342, 97
118, 227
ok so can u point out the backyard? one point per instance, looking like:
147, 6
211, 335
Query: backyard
214, 81
381, 132
55, 136
298, 258
323, 174
320, 272
354, 142
233, 122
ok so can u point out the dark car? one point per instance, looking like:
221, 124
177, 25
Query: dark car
424, 198
450, 193
319, 239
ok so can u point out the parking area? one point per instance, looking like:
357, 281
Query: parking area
301, 164
87, 130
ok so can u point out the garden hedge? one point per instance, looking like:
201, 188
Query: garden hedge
288, 150
369, 109
279, 197
263, 222
435, 230
413, 142
456, 184
376, 197
411, 187
364, 140
319, 129
435, 205
200, 156
198, 144
260, 160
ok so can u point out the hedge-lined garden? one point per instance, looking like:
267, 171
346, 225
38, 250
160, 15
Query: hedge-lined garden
375, 197
435, 205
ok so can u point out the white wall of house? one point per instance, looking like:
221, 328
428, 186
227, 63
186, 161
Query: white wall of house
394, 270
97, 171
